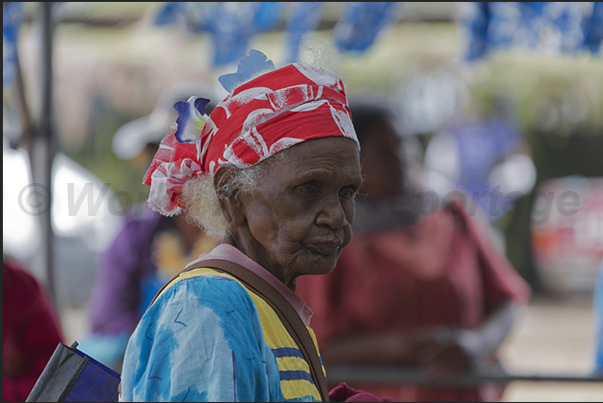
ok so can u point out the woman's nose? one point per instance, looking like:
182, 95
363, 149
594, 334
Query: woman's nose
332, 214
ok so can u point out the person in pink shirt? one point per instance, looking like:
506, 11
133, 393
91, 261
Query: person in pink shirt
412, 289
30, 331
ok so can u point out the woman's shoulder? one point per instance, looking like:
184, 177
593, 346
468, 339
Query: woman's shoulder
206, 287
208, 317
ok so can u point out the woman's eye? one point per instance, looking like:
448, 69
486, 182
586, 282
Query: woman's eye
347, 193
308, 189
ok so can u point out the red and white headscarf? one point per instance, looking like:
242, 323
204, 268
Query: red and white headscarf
258, 119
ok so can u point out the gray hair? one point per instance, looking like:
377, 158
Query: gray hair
202, 201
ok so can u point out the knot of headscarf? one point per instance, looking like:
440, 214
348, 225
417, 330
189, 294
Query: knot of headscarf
260, 118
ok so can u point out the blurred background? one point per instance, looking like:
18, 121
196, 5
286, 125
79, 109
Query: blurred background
524, 79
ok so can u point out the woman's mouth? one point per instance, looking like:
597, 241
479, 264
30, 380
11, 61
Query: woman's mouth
325, 248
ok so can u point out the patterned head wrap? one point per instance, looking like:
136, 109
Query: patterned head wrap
259, 118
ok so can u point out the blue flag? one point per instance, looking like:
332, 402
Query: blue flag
303, 17
11, 22
231, 24
360, 23
593, 28
555, 27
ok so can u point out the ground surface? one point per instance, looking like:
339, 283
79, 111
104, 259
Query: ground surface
553, 337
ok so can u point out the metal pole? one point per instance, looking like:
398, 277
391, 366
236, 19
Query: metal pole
26, 136
44, 150
412, 375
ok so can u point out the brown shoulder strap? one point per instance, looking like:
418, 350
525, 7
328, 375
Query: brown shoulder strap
286, 313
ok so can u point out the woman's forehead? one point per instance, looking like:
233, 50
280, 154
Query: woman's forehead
318, 156
327, 144
327, 148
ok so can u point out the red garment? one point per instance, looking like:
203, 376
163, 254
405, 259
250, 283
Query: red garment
343, 393
440, 272
30, 332
272, 112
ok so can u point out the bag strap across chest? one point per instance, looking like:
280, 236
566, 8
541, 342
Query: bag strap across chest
281, 306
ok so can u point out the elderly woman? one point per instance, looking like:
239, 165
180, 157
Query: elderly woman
273, 172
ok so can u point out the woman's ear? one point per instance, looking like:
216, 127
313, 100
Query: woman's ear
231, 205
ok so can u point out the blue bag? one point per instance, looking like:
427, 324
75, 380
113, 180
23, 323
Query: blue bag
73, 376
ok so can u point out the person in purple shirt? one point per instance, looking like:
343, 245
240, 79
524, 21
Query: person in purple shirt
131, 271
148, 250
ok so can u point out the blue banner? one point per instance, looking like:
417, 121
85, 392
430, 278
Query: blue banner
303, 17
231, 24
360, 23
11, 22
593, 28
556, 27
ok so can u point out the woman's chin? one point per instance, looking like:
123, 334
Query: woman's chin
317, 263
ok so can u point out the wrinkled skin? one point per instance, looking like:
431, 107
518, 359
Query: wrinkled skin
298, 220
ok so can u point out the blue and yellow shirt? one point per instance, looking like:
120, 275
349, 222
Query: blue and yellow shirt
208, 338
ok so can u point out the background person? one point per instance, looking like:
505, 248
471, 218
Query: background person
488, 157
148, 250
429, 291
30, 330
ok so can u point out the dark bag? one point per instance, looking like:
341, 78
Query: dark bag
73, 376
281, 306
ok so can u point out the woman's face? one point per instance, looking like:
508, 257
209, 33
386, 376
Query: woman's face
299, 217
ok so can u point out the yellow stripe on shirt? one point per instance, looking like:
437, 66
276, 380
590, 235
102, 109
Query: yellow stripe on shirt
296, 380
